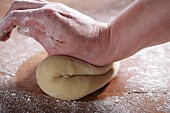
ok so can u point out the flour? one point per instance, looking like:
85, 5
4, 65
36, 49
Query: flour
151, 77
150, 71
28, 102
15, 100
49, 42
25, 19
23, 30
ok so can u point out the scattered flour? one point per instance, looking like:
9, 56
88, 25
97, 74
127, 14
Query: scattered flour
152, 79
151, 82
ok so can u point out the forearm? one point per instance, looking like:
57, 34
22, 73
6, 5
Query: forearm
144, 23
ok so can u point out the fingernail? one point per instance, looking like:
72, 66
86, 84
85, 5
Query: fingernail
23, 30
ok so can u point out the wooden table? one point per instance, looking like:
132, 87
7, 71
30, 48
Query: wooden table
142, 84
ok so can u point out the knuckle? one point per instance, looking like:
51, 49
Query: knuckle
13, 13
49, 11
16, 2
60, 4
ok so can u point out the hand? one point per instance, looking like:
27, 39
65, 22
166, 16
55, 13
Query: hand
60, 30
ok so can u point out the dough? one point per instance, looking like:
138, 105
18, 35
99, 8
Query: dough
69, 78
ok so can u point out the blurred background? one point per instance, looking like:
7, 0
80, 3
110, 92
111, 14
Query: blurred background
142, 84
102, 10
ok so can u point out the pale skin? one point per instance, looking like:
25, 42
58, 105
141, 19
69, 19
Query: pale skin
64, 31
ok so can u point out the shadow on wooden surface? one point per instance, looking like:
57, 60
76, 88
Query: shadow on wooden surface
26, 81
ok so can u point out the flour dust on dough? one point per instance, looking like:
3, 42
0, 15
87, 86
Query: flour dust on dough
69, 78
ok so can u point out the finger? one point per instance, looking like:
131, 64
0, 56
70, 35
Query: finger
23, 30
32, 32
50, 45
38, 35
31, 18
26, 4
22, 18
42, 0
6, 36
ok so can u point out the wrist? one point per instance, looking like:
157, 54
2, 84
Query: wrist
105, 47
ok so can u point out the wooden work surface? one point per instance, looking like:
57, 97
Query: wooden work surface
141, 85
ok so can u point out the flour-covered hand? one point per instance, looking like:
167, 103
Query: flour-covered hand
59, 29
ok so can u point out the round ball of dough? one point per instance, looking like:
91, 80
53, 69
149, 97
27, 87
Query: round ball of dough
69, 78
